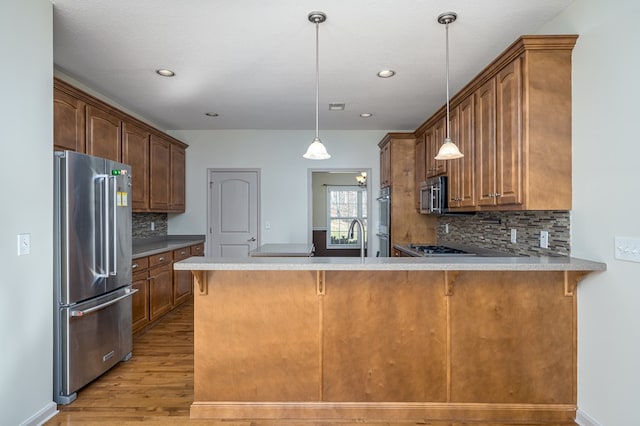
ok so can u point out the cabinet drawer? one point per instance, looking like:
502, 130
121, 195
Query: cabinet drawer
140, 264
160, 258
197, 250
182, 253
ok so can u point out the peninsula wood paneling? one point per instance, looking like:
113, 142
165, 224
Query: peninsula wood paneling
257, 337
512, 338
384, 337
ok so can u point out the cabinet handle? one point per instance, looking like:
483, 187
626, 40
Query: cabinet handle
134, 266
183, 252
497, 194
161, 258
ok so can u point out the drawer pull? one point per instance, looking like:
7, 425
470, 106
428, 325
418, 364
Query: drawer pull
161, 258
134, 266
183, 252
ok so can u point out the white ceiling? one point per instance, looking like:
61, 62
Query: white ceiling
253, 61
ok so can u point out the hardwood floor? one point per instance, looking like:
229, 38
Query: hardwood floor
156, 386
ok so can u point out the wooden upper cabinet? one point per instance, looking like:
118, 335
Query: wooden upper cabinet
461, 183
177, 185
485, 98
135, 152
385, 165
103, 134
434, 137
160, 173
421, 166
68, 122
509, 140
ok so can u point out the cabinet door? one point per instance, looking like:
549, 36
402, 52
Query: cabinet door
159, 174
177, 201
135, 152
453, 192
486, 142
68, 122
430, 152
140, 301
103, 134
462, 173
439, 133
385, 165
160, 290
420, 167
182, 280
509, 173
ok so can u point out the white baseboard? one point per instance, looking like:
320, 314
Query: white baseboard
45, 413
583, 419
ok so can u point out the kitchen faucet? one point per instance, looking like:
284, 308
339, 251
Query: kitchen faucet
361, 228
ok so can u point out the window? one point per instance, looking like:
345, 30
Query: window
345, 203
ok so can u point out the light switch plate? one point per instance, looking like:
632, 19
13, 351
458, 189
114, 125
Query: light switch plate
24, 244
627, 248
544, 239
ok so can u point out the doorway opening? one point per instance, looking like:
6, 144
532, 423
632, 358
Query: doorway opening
336, 198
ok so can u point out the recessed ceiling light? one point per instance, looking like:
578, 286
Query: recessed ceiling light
386, 73
336, 107
366, 115
212, 114
165, 73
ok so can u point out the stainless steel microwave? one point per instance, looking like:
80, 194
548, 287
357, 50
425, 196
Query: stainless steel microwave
433, 196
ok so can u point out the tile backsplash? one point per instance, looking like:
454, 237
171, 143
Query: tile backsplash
141, 225
492, 230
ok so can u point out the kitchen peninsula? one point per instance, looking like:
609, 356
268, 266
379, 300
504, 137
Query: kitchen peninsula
464, 339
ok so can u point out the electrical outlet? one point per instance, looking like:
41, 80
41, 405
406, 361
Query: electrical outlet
24, 244
627, 248
446, 228
544, 239
514, 235
153, 226
267, 225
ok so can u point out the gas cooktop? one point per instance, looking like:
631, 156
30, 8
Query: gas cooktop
436, 250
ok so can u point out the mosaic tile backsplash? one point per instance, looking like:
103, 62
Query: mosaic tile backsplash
492, 230
141, 225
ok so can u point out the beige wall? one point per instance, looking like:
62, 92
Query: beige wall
26, 305
606, 202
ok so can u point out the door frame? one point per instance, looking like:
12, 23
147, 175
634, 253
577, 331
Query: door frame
310, 172
209, 238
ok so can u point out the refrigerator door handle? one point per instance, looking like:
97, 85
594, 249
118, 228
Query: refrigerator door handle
114, 234
104, 271
129, 292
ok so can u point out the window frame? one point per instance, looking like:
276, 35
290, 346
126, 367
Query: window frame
362, 206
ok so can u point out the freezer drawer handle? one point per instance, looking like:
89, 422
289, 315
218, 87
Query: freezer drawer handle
129, 292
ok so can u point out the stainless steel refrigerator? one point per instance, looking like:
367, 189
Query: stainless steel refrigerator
92, 269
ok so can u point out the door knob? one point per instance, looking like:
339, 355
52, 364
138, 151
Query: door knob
251, 239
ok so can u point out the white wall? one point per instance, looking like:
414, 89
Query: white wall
26, 113
606, 159
284, 174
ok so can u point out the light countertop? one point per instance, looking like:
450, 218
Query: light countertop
283, 250
150, 246
472, 263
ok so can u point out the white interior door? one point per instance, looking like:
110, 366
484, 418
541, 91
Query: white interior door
233, 212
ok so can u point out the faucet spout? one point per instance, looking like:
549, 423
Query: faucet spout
352, 226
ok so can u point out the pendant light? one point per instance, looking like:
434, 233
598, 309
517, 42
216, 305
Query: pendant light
448, 150
316, 150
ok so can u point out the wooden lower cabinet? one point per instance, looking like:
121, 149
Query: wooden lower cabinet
160, 288
491, 346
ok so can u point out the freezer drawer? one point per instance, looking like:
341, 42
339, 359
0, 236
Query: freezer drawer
94, 336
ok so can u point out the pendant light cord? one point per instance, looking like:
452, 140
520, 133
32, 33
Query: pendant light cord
317, 79
447, 73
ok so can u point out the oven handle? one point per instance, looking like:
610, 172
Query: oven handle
129, 292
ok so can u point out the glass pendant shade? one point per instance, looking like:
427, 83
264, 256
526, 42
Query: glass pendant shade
316, 151
448, 151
